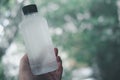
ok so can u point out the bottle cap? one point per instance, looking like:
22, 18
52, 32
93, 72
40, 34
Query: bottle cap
29, 9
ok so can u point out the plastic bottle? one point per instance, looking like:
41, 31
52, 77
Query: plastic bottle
38, 43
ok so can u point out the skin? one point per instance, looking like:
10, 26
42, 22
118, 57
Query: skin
26, 74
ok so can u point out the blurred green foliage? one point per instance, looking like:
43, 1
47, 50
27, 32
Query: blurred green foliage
96, 38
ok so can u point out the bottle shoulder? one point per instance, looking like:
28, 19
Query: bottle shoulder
34, 18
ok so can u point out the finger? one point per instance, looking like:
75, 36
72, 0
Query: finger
60, 67
59, 59
56, 51
24, 69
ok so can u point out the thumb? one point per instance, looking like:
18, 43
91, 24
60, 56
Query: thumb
24, 69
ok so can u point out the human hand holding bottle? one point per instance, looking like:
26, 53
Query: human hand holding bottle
26, 74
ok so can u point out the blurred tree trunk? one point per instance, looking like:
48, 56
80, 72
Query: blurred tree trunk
108, 51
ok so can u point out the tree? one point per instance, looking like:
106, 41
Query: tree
10, 16
107, 33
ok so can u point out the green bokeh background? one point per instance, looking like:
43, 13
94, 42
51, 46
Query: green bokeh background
88, 31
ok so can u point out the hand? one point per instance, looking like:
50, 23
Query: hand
26, 74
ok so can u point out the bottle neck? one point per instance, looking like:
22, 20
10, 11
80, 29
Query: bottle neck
28, 15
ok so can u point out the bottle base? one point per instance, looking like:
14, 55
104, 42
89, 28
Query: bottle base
42, 69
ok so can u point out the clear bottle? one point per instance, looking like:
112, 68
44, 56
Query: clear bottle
38, 43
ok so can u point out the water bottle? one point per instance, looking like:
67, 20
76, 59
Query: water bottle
38, 43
